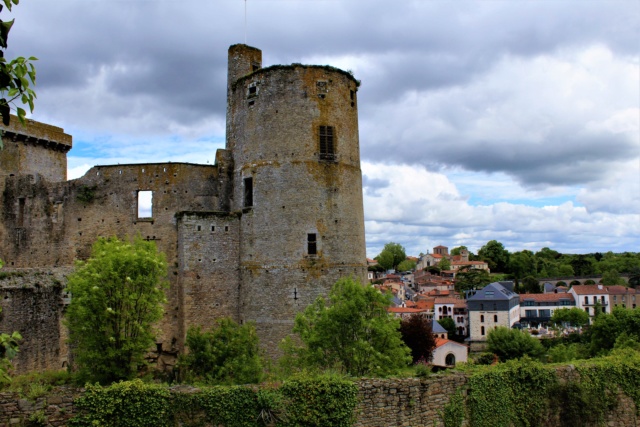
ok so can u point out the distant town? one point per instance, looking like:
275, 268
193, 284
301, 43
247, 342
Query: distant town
468, 295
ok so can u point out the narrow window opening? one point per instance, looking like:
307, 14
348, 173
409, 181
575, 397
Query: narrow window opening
213, 228
495, 318
226, 228
199, 228
482, 330
145, 204
312, 246
21, 206
327, 143
248, 192
252, 103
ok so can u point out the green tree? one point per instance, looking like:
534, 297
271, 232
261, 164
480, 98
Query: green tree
392, 254
17, 76
612, 278
510, 344
531, 285
495, 255
417, 335
8, 350
449, 324
351, 332
606, 328
117, 296
228, 353
472, 278
522, 264
583, 265
407, 265
444, 264
456, 250
571, 316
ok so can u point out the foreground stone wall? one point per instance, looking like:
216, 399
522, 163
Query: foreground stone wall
407, 402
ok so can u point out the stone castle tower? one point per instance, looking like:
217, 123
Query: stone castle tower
257, 236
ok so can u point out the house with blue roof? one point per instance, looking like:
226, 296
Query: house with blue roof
494, 305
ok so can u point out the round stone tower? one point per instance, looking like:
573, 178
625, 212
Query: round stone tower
293, 134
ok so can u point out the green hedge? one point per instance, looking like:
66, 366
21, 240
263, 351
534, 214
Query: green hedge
322, 401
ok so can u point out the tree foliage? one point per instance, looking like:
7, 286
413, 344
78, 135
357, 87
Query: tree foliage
572, 316
495, 255
228, 353
392, 254
607, 328
418, 336
117, 296
510, 344
472, 278
351, 332
449, 324
444, 264
17, 76
407, 265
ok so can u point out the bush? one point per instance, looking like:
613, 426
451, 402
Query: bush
117, 296
320, 401
513, 344
485, 358
226, 354
124, 404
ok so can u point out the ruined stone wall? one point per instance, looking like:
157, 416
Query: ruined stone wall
209, 279
273, 129
32, 304
53, 224
36, 148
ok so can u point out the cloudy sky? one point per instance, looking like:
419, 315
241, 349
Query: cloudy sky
511, 120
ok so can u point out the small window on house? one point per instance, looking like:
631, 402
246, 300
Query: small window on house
145, 204
213, 228
312, 246
327, 143
482, 317
495, 318
226, 228
199, 227
586, 300
481, 330
248, 192
586, 309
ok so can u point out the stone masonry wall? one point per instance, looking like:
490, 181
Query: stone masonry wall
32, 304
408, 402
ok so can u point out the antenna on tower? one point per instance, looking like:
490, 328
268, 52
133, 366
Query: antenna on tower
245, 21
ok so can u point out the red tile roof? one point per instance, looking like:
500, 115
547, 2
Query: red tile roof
404, 310
441, 341
446, 300
621, 290
589, 290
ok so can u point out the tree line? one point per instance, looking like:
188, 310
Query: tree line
525, 267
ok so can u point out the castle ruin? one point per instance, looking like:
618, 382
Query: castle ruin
256, 237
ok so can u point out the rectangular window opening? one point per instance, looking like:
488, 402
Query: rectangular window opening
145, 203
248, 192
327, 143
21, 205
312, 246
